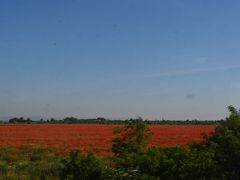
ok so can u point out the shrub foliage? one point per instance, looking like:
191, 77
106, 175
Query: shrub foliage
216, 158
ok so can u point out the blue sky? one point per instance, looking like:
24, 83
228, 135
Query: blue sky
175, 59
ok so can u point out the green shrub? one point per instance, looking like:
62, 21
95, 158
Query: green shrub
78, 166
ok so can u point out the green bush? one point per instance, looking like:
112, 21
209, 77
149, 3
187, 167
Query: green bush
78, 166
216, 158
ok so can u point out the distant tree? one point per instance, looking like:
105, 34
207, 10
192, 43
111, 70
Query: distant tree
70, 120
52, 120
101, 119
28, 120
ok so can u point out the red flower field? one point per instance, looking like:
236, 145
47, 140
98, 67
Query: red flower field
93, 138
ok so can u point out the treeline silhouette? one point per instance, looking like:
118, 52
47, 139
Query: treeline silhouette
101, 120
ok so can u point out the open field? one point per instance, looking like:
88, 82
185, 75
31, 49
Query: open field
92, 138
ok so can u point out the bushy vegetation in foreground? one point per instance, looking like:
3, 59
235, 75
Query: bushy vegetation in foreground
216, 158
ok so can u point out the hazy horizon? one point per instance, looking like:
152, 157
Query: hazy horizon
119, 59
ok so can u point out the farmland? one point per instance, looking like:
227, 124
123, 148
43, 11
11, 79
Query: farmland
92, 138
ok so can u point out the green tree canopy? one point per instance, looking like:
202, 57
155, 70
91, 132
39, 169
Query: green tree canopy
133, 137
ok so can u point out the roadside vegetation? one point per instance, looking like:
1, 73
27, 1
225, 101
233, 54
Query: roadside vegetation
218, 157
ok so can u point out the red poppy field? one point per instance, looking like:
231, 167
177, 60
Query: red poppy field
93, 138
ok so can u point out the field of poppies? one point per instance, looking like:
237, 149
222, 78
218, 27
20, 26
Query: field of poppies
93, 138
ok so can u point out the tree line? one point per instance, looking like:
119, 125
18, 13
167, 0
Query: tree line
101, 120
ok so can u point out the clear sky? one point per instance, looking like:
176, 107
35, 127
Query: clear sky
172, 59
